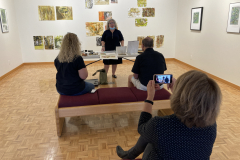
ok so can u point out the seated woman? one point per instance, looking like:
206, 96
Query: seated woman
187, 134
71, 70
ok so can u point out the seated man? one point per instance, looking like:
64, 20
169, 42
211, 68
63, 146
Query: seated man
147, 64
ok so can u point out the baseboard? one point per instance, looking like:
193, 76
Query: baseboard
210, 75
166, 59
12, 71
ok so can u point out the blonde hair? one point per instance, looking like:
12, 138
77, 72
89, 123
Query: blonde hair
116, 26
196, 99
70, 48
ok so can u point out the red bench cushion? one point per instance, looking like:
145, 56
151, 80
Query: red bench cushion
116, 95
83, 100
161, 94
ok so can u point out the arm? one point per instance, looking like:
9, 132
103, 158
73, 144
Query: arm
83, 73
122, 43
103, 45
170, 86
135, 75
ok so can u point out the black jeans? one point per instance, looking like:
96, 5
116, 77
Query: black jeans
141, 146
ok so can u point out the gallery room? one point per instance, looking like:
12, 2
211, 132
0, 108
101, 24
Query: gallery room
119, 79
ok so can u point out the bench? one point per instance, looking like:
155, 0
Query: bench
106, 101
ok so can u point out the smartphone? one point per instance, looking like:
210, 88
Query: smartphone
162, 78
93, 91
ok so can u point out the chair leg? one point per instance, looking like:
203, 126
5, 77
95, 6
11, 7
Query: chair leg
59, 122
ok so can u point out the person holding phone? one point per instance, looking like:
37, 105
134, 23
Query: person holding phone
187, 134
111, 38
166, 80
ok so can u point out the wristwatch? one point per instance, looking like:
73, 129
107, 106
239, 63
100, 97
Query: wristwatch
148, 101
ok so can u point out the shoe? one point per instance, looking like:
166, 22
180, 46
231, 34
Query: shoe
126, 154
120, 152
114, 76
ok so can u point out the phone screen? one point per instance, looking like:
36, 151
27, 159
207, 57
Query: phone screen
163, 78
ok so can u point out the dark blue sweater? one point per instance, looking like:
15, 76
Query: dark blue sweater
171, 139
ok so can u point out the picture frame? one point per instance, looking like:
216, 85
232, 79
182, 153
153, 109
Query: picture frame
234, 18
4, 21
196, 18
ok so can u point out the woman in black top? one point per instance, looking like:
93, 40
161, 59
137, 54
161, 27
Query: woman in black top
71, 70
187, 134
110, 39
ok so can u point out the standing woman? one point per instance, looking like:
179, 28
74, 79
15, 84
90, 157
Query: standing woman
71, 70
111, 38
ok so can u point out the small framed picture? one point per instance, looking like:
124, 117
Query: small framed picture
196, 19
233, 18
3, 18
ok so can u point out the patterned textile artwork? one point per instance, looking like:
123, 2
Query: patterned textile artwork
105, 15
48, 40
142, 3
58, 41
148, 12
196, 17
140, 38
141, 22
98, 41
88, 4
159, 41
3, 17
38, 42
101, 2
64, 13
46, 13
134, 12
153, 37
94, 28
235, 16
114, 1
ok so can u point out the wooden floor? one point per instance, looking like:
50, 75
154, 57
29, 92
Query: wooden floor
27, 121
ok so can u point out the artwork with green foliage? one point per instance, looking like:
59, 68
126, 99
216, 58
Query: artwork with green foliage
38, 42
101, 2
88, 4
46, 13
3, 17
48, 41
148, 12
134, 12
141, 22
142, 3
58, 41
234, 16
196, 17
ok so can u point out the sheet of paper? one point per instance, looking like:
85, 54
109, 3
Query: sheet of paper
121, 50
132, 47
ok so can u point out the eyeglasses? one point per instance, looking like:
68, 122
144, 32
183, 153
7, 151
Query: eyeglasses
111, 23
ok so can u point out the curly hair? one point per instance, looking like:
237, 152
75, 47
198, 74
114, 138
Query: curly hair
70, 48
196, 99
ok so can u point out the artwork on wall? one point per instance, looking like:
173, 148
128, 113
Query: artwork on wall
46, 13
58, 41
196, 20
38, 42
94, 28
3, 18
88, 4
48, 41
134, 12
101, 2
153, 37
114, 1
140, 38
105, 15
98, 41
142, 3
233, 18
141, 22
64, 13
159, 41
148, 12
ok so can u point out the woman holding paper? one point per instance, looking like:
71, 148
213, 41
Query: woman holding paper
111, 38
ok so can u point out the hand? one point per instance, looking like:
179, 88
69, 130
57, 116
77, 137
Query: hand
157, 86
170, 86
151, 90
103, 49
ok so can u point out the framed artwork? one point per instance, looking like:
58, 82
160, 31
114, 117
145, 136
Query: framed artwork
196, 19
38, 42
233, 18
3, 18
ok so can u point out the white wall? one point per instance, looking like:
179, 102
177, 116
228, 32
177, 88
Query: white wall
164, 23
10, 49
213, 49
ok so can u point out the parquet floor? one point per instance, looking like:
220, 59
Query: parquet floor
27, 121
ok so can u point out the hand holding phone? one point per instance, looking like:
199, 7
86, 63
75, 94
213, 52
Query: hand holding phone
162, 78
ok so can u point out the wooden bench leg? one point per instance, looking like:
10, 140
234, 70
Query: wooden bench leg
59, 122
